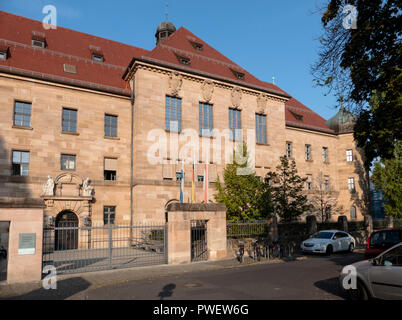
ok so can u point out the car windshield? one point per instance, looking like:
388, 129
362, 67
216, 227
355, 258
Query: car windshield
323, 235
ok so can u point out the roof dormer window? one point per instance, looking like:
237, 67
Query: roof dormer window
3, 54
197, 46
97, 57
183, 60
298, 117
38, 39
238, 75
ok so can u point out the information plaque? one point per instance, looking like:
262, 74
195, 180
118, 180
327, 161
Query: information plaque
26, 243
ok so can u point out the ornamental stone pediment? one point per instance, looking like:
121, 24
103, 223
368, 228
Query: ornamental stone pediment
67, 185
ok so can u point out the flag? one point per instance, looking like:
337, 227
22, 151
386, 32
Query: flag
182, 183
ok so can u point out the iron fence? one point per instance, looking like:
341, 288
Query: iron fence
246, 229
72, 249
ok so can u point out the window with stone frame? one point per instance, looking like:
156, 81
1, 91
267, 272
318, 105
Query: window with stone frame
20, 163
69, 120
289, 149
351, 184
349, 155
173, 114
353, 215
68, 162
109, 215
110, 169
22, 114
308, 152
235, 124
205, 119
325, 154
261, 128
111, 125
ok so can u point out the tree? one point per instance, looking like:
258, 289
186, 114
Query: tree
286, 189
324, 200
357, 64
242, 194
387, 178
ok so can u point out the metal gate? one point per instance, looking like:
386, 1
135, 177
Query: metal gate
199, 250
73, 249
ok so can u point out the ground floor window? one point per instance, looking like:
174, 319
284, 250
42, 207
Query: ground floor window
109, 215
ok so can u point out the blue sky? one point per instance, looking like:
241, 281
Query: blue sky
268, 37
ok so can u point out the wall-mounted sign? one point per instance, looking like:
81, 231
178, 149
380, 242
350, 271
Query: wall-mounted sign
26, 243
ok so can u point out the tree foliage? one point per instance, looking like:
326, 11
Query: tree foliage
286, 189
387, 178
242, 194
364, 64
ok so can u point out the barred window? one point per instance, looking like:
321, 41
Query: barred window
235, 124
20, 165
289, 150
110, 125
173, 114
69, 120
205, 119
308, 152
67, 162
261, 128
22, 114
109, 215
325, 154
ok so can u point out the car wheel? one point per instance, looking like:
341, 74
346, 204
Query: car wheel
329, 250
351, 247
360, 293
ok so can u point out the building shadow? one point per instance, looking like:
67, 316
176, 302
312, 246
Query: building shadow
331, 286
65, 289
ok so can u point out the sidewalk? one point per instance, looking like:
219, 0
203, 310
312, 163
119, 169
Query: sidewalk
77, 286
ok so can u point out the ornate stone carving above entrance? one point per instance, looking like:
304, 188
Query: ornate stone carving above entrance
262, 103
236, 97
207, 89
175, 82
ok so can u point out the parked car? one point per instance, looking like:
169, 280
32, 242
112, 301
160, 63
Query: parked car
379, 278
329, 241
381, 240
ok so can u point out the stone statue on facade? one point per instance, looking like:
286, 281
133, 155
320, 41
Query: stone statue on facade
87, 190
48, 187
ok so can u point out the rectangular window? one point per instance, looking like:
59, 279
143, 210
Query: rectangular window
235, 124
110, 126
309, 185
289, 151
308, 152
200, 178
351, 184
22, 114
261, 128
110, 169
178, 176
69, 120
349, 155
67, 162
20, 165
173, 114
205, 119
325, 154
109, 215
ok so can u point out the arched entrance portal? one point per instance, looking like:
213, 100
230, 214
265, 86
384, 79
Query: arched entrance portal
66, 235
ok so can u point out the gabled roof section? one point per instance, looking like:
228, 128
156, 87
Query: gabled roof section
208, 61
64, 46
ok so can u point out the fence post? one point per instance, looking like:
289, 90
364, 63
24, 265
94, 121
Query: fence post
110, 244
311, 224
368, 222
390, 222
343, 223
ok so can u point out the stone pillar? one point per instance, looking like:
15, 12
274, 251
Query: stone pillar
390, 222
180, 216
343, 223
311, 225
368, 222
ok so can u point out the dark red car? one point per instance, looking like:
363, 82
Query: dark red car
381, 240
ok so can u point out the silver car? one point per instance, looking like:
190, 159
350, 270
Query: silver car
379, 278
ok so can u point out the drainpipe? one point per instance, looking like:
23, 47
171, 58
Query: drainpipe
132, 160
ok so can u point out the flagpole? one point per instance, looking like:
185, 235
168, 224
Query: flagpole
193, 182
182, 183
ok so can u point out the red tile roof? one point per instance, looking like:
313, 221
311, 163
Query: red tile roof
64, 46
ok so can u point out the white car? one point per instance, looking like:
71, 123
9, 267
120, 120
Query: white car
379, 278
329, 241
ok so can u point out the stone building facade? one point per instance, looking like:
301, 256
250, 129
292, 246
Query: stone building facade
77, 118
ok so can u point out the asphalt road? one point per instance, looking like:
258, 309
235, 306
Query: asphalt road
313, 279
